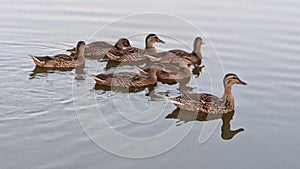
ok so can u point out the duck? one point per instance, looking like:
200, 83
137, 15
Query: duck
208, 103
128, 79
175, 71
61, 61
99, 49
195, 56
133, 54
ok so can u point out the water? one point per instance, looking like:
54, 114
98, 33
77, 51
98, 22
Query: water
56, 119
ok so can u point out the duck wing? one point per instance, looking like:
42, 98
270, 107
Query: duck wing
104, 76
209, 103
180, 53
62, 57
100, 44
127, 55
122, 79
169, 57
98, 48
57, 61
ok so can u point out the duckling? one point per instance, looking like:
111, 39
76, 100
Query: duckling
135, 54
207, 103
62, 60
128, 79
195, 56
175, 71
150, 40
167, 57
99, 49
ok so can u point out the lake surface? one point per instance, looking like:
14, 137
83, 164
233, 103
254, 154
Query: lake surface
58, 119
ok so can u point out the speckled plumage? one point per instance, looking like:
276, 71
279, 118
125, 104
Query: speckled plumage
62, 60
195, 56
98, 49
127, 55
175, 72
207, 103
127, 79
135, 54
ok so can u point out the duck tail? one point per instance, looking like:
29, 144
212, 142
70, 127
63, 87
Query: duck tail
36, 60
170, 99
96, 78
141, 70
111, 56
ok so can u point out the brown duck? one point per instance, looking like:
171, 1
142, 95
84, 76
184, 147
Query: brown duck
135, 54
98, 49
207, 103
128, 79
173, 72
193, 58
61, 61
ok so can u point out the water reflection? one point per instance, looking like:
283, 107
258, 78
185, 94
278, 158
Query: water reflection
118, 89
186, 116
40, 71
150, 90
80, 73
43, 71
111, 64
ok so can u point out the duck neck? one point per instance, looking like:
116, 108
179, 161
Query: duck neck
150, 46
227, 96
79, 56
197, 50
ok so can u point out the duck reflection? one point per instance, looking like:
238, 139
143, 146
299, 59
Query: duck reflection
43, 71
118, 89
186, 116
111, 64
150, 90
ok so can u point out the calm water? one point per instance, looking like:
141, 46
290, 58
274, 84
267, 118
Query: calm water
56, 119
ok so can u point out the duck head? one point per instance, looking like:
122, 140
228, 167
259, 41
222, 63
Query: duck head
232, 79
198, 42
122, 43
151, 39
80, 47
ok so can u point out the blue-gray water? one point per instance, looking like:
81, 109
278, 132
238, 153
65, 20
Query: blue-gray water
42, 113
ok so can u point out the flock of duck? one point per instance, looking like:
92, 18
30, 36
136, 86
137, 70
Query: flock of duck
167, 67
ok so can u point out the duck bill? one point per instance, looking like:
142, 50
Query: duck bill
159, 41
242, 82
